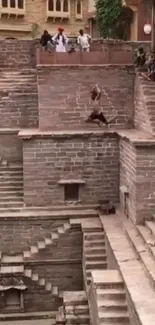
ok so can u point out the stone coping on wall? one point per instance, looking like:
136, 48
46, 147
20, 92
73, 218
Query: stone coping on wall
35, 133
118, 66
134, 136
49, 213
9, 131
45, 261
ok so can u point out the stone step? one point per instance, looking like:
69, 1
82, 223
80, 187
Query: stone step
95, 265
34, 249
41, 244
15, 198
55, 291
104, 279
95, 250
14, 192
148, 239
80, 319
11, 258
151, 226
42, 282
48, 241
93, 235
77, 310
61, 230
12, 269
54, 235
21, 317
28, 273
48, 286
75, 298
16, 178
27, 254
11, 204
120, 316
95, 257
111, 293
35, 277
94, 243
141, 251
114, 305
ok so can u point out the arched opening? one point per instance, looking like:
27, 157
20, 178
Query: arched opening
78, 7
58, 5
65, 6
50, 5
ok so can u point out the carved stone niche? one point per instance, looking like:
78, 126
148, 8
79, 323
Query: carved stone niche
72, 190
11, 294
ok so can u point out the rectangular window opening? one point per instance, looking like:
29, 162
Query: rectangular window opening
71, 192
12, 299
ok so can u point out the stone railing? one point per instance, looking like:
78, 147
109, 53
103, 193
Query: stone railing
106, 55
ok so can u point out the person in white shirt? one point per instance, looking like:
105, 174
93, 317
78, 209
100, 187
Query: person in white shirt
83, 41
61, 40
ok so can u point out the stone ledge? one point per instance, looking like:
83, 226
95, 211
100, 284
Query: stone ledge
9, 131
35, 133
47, 214
71, 181
42, 262
137, 138
87, 66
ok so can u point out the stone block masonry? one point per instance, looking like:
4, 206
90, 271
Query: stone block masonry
64, 95
137, 174
85, 157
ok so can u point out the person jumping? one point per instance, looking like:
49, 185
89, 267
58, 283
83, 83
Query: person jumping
97, 115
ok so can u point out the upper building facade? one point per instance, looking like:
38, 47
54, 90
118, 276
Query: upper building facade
18, 16
141, 16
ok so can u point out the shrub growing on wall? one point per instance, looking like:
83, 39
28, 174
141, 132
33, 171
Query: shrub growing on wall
114, 20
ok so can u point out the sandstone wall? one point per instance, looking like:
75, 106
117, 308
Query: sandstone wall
11, 146
137, 174
17, 53
28, 232
64, 95
128, 175
91, 158
144, 115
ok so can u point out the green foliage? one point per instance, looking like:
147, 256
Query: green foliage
114, 20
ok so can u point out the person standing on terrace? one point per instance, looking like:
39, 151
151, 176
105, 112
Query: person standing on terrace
83, 41
61, 40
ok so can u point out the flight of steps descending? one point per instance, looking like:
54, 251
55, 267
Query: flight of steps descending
11, 186
142, 239
18, 89
108, 298
94, 252
76, 310
47, 285
50, 238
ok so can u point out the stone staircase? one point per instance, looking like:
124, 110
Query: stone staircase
94, 253
48, 240
18, 89
76, 310
16, 261
108, 298
145, 105
142, 239
11, 186
42, 282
